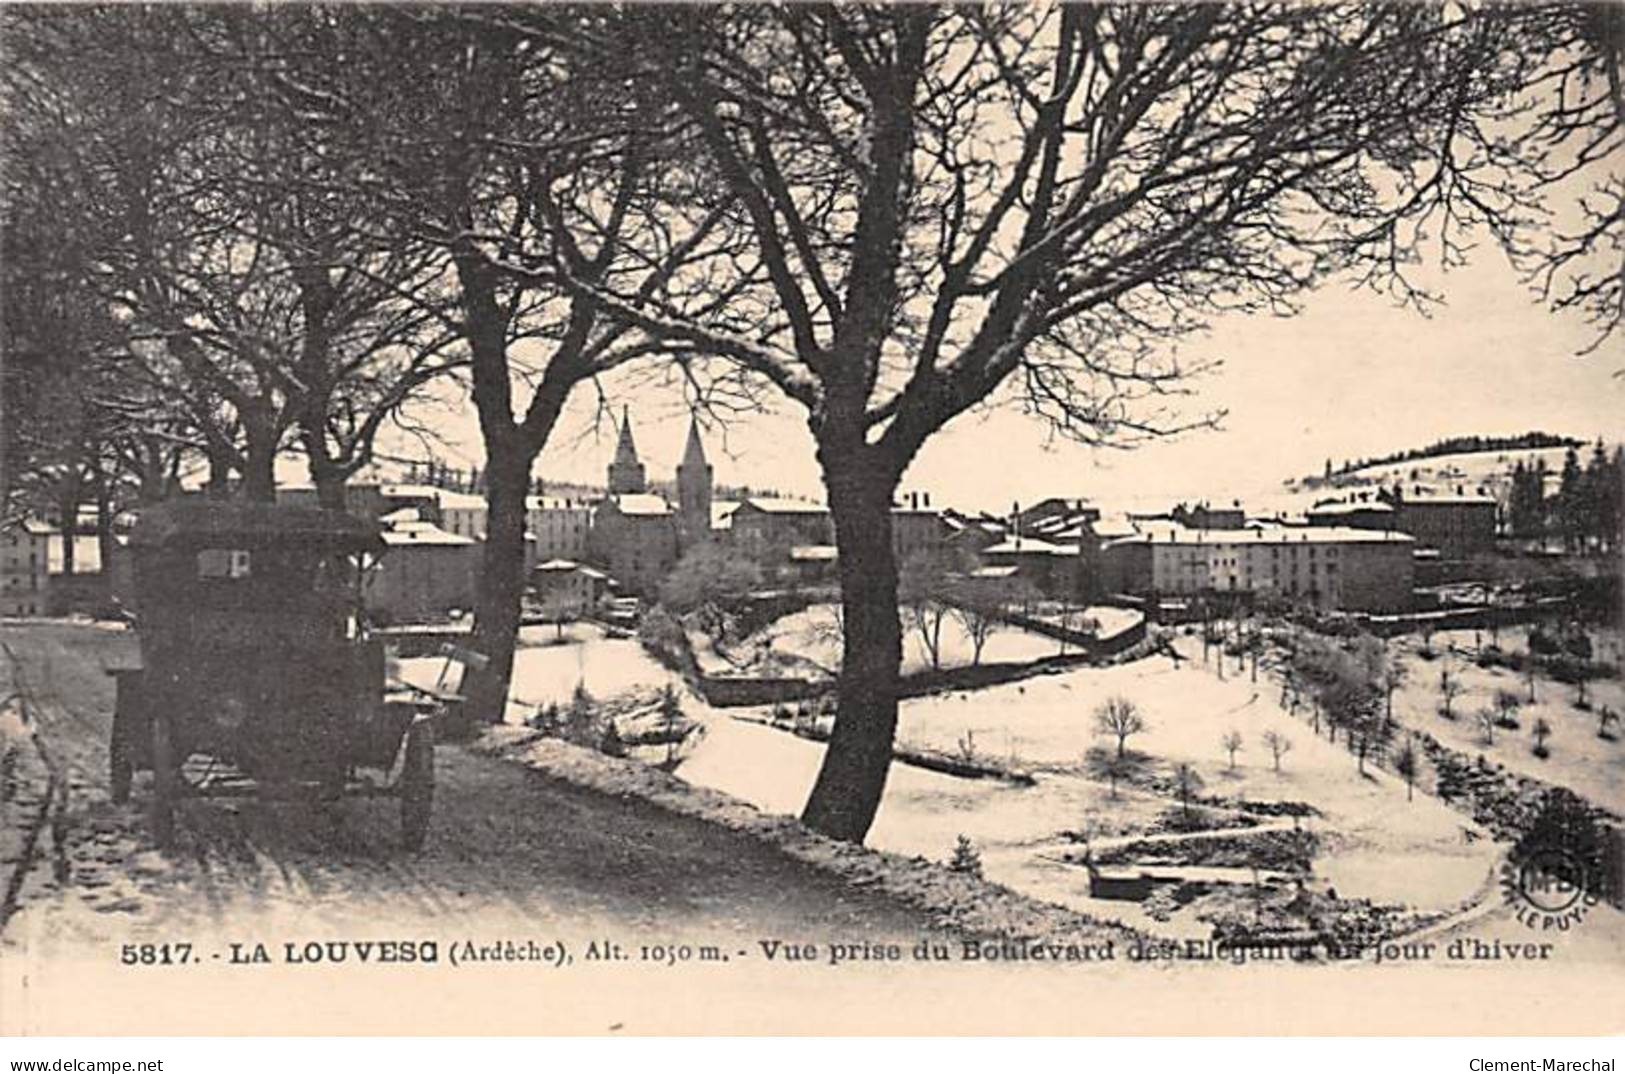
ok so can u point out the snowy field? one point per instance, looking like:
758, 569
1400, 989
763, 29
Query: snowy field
1588, 765
546, 671
1386, 847
1375, 843
814, 634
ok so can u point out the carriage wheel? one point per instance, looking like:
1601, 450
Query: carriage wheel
165, 781
417, 785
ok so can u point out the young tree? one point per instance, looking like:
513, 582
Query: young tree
953, 204
1450, 688
1507, 705
1120, 718
671, 722
978, 619
1542, 731
1278, 745
922, 594
1407, 764
1392, 676
1187, 782
1487, 719
1232, 741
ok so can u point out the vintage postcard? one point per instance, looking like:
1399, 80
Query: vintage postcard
766, 519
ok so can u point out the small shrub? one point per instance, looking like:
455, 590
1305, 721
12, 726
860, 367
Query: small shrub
967, 859
610, 741
967, 746
1542, 752
1542, 643
780, 713
1510, 723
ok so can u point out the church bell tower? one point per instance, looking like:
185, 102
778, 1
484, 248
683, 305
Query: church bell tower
626, 472
693, 491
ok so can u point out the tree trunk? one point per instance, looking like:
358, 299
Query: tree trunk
328, 477
850, 783
259, 465
104, 527
67, 510
220, 468
502, 583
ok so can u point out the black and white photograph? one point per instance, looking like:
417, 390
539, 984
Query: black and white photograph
790, 519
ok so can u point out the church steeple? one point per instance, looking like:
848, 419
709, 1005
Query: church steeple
626, 473
693, 491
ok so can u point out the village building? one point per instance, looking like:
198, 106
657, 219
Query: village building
1332, 568
636, 534
1366, 513
566, 587
1460, 524
24, 567
917, 529
769, 530
425, 573
1204, 516
1456, 524
463, 513
560, 525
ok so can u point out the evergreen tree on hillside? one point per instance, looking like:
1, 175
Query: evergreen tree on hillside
1571, 513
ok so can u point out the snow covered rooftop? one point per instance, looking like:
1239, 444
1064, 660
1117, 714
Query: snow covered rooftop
1287, 535
1031, 546
1344, 507
460, 501
410, 492
423, 534
641, 503
780, 506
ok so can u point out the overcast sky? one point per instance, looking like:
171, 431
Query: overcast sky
1351, 376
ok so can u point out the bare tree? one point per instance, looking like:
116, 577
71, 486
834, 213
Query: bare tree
526, 164
1187, 782
1232, 742
978, 621
1487, 719
1507, 705
922, 595
1278, 745
1450, 688
956, 204
1407, 765
1543, 732
1120, 718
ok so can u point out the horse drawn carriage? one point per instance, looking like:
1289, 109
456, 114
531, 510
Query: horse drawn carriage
257, 673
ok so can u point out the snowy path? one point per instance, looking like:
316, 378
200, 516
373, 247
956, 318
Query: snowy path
507, 846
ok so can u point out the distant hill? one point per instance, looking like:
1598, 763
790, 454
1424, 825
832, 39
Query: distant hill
1468, 463
1457, 445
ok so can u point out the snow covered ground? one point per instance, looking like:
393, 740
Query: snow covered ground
813, 634
1588, 765
1376, 844
547, 671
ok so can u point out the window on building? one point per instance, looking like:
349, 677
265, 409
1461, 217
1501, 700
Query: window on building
214, 563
